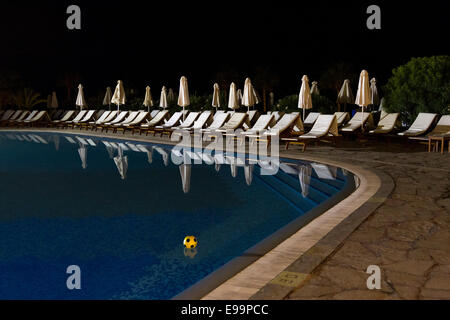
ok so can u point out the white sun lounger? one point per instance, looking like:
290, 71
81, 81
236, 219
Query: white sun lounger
342, 117
67, 116
218, 122
173, 121
311, 119
116, 120
421, 125
386, 124
359, 120
28, 118
89, 115
78, 117
201, 121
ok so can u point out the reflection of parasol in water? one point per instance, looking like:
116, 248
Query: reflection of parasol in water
185, 172
304, 176
121, 162
248, 172
55, 139
82, 151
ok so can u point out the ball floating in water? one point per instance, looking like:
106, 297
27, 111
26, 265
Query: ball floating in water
190, 242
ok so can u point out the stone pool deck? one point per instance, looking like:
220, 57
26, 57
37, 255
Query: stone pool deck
407, 236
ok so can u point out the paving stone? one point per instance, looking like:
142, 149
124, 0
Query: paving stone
414, 267
311, 291
361, 295
403, 279
406, 292
430, 294
438, 283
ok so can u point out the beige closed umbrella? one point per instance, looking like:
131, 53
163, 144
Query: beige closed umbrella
304, 97
171, 95
249, 96
49, 101
54, 103
271, 99
119, 95
233, 98
345, 95
239, 96
80, 102
216, 97
375, 98
183, 96
148, 100
163, 98
363, 96
314, 88
107, 98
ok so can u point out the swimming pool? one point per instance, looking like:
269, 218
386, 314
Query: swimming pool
120, 210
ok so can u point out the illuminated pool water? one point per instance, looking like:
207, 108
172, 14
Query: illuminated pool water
120, 211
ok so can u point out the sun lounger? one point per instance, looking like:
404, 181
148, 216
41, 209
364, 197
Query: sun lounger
172, 122
236, 121
358, 121
141, 117
153, 113
85, 120
187, 123
156, 121
386, 124
107, 116
131, 116
101, 119
342, 118
442, 129
67, 116
119, 118
11, 116
325, 127
420, 126
311, 119
24, 117
6, 115
56, 114
260, 125
39, 118
218, 122
200, 123
276, 114
78, 118
283, 128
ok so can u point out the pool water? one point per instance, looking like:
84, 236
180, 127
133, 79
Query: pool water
120, 211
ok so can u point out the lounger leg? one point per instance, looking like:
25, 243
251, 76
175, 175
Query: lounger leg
287, 145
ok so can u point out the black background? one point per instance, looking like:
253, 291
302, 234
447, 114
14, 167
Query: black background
156, 42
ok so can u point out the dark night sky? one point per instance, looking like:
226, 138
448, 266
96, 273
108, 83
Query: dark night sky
155, 42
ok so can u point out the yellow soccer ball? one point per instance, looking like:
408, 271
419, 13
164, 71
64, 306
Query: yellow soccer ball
190, 242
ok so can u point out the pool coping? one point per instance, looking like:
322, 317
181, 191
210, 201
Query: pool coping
289, 264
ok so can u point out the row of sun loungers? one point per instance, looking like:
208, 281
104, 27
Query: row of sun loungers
287, 126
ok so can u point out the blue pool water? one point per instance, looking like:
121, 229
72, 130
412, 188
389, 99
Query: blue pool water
66, 200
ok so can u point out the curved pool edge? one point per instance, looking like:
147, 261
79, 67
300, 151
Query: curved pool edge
258, 274
274, 275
